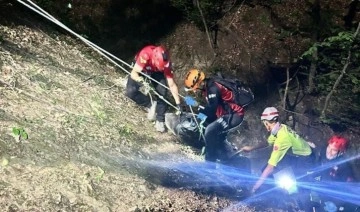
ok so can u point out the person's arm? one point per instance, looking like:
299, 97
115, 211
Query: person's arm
174, 90
346, 171
213, 100
257, 146
280, 147
135, 73
267, 171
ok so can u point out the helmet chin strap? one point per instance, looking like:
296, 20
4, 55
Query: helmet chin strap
276, 128
187, 89
202, 86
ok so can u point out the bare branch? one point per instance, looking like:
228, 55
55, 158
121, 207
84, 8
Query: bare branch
312, 73
205, 24
3, 83
233, 18
286, 88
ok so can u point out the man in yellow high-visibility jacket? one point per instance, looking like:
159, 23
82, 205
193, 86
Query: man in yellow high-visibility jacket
289, 149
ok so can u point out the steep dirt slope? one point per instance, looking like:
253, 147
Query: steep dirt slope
82, 146
89, 148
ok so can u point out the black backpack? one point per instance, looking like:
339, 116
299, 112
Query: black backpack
242, 93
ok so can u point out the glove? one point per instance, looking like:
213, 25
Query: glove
201, 116
141, 80
179, 110
190, 101
144, 83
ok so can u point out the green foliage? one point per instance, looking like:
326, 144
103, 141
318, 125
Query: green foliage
97, 107
308, 53
100, 175
331, 58
125, 130
342, 41
20, 132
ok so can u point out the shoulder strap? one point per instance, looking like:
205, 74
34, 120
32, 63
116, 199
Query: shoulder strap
210, 82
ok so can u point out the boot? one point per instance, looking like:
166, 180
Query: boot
160, 126
152, 111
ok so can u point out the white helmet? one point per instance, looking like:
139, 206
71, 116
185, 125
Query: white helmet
270, 113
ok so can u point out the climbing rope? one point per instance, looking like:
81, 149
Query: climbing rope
105, 54
200, 125
100, 50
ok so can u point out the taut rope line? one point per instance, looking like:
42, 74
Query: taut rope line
100, 50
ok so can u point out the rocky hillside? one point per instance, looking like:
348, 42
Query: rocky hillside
71, 141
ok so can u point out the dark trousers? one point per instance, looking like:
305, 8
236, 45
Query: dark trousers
299, 164
132, 91
216, 145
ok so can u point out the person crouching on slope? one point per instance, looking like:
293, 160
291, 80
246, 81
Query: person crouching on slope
220, 113
155, 62
289, 149
333, 156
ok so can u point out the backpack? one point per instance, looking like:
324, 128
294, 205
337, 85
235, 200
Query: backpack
242, 93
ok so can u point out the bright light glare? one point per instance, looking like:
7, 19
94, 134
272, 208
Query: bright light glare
286, 182
285, 179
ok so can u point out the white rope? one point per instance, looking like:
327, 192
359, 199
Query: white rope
101, 51
161, 97
51, 18
54, 20
199, 126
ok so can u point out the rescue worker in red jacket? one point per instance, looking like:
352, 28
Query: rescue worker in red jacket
153, 61
332, 157
220, 113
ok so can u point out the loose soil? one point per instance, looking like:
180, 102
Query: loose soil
88, 147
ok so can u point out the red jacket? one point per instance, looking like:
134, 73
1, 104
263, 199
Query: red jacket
219, 101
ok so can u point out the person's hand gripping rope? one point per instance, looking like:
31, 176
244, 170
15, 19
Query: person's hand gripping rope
178, 110
145, 84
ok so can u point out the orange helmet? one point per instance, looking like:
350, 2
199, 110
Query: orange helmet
339, 142
161, 58
193, 79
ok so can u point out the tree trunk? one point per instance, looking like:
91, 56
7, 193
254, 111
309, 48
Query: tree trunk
316, 16
286, 88
349, 18
312, 73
